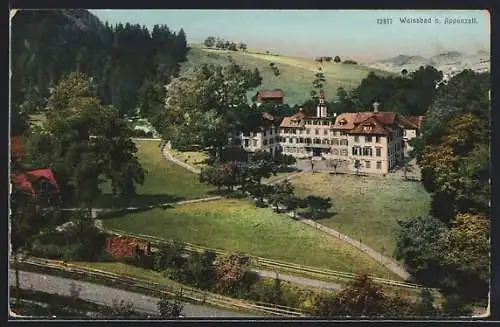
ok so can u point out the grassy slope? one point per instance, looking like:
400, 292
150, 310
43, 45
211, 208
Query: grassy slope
366, 208
237, 225
165, 181
296, 76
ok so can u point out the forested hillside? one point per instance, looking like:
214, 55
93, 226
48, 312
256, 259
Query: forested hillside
47, 44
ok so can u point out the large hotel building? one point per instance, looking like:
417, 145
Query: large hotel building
372, 141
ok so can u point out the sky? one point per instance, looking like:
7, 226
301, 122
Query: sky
309, 33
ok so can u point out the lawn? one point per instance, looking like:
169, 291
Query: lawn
164, 182
366, 208
296, 74
238, 226
194, 158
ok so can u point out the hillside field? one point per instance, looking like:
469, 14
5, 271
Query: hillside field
367, 208
296, 74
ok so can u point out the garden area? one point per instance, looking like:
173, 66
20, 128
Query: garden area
237, 225
366, 208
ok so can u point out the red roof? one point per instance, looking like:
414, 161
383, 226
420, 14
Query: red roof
417, 120
270, 94
25, 180
377, 123
385, 118
16, 147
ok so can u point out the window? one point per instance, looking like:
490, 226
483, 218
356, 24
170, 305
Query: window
316, 131
308, 131
343, 142
246, 134
344, 152
335, 152
335, 141
42, 186
246, 142
343, 133
356, 150
325, 141
367, 164
377, 139
301, 131
294, 131
378, 152
325, 123
315, 122
368, 138
265, 142
325, 132
271, 141
264, 133
334, 133
356, 138
308, 141
379, 164
254, 142
301, 140
367, 151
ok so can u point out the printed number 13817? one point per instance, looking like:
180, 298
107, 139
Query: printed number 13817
384, 21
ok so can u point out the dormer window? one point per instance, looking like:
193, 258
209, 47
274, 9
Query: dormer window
367, 128
342, 122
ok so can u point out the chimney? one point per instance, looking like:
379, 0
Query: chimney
375, 106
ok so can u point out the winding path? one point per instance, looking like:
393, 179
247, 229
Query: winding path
105, 295
389, 263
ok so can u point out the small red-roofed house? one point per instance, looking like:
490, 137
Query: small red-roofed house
38, 184
265, 96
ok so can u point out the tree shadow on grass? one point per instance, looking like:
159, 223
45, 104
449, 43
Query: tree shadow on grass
139, 200
224, 192
318, 216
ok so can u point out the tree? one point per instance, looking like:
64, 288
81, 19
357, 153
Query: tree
169, 254
317, 205
425, 304
219, 44
19, 122
281, 194
318, 82
89, 142
209, 41
171, 309
404, 72
467, 249
362, 297
260, 191
201, 104
293, 203
242, 46
199, 270
336, 59
230, 271
25, 222
420, 246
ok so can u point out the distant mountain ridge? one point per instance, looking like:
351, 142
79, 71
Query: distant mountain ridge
445, 61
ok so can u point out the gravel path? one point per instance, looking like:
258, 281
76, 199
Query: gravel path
169, 157
104, 295
389, 263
